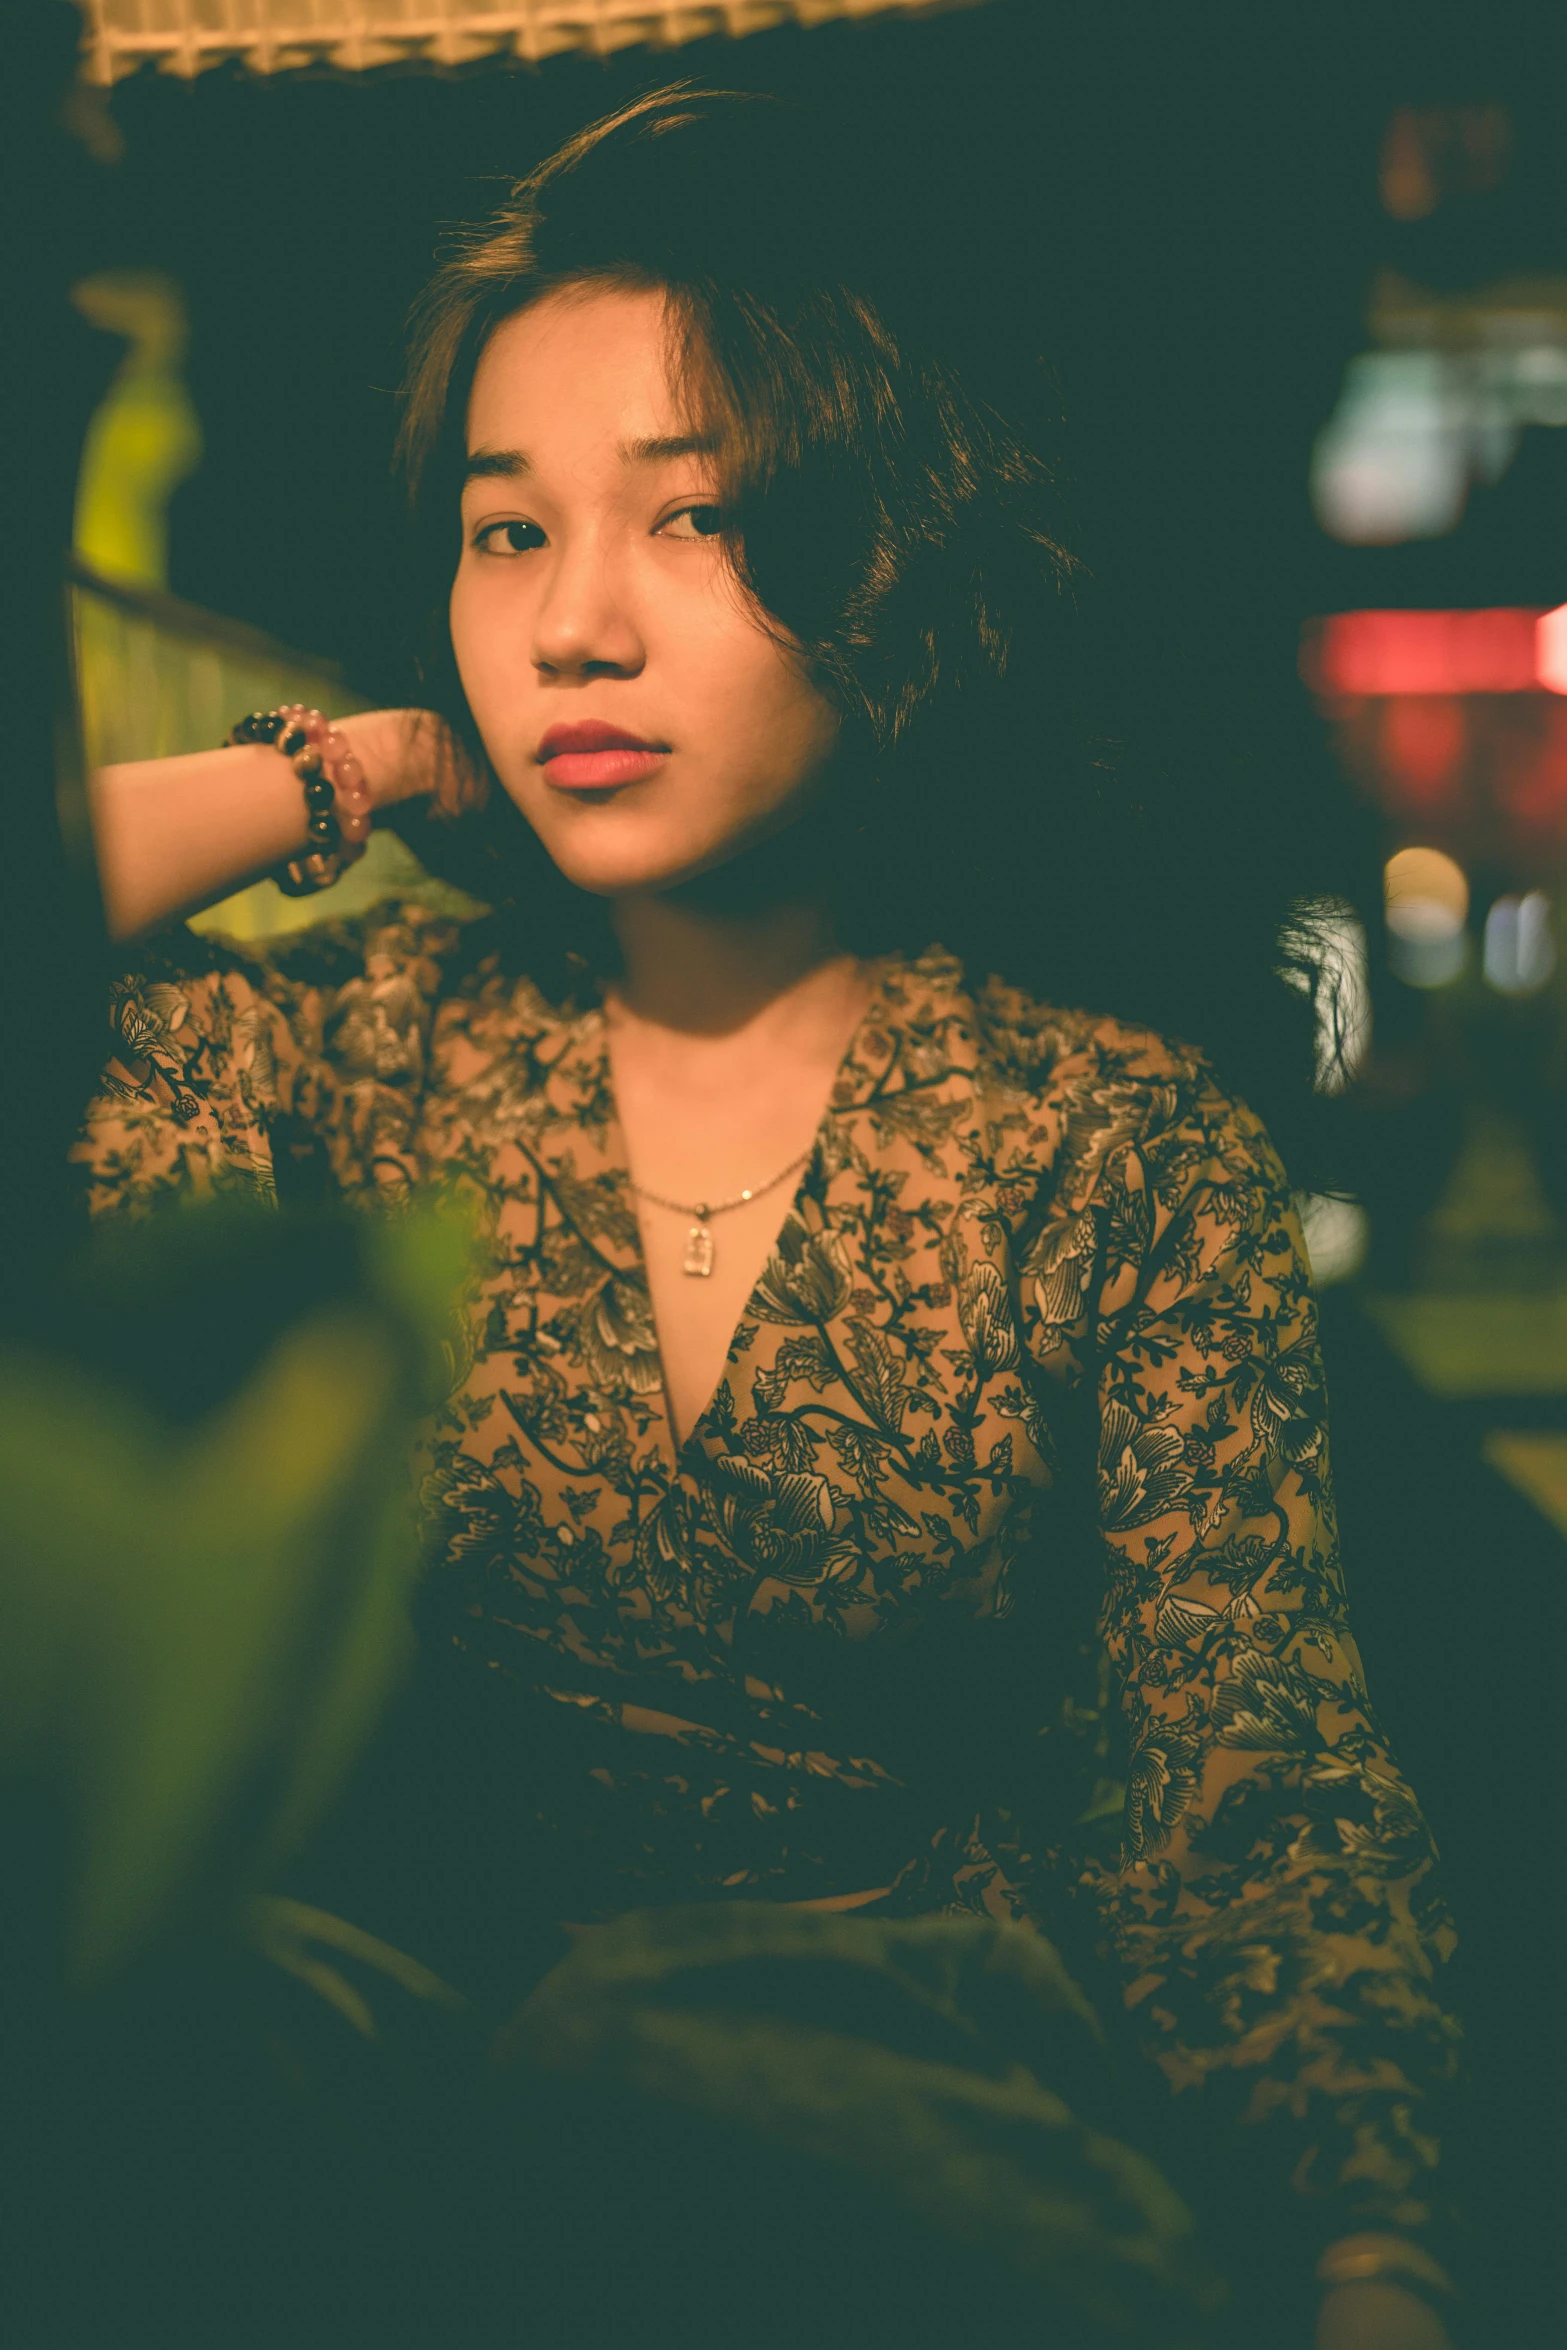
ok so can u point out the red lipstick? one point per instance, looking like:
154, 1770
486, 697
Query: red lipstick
590, 755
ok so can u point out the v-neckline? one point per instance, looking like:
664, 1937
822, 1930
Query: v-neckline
873, 1016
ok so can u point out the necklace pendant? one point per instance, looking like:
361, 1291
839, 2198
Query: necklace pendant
699, 1253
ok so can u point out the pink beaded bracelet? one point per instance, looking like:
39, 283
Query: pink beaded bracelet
337, 796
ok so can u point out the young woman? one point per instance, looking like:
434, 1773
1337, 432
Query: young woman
888, 1470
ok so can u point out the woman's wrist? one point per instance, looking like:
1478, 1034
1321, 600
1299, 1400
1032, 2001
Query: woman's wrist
402, 752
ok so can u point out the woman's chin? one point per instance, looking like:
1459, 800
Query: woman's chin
620, 865
613, 848
628, 875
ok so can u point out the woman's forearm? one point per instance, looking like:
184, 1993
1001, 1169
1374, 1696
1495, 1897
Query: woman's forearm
176, 834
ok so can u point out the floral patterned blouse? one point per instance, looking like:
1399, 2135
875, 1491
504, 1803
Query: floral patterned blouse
1001, 1568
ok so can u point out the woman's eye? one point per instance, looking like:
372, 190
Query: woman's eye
509, 538
693, 522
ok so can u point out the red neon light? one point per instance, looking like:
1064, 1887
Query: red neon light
1496, 652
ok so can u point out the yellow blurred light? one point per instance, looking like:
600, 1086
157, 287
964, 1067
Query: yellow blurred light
1427, 900
1429, 880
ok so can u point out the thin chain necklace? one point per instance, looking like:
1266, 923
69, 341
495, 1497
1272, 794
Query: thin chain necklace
700, 1255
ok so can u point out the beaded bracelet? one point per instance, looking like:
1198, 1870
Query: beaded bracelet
337, 796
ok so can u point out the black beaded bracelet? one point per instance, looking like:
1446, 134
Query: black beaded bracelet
337, 797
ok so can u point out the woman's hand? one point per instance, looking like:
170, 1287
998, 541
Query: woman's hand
405, 753
1376, 2314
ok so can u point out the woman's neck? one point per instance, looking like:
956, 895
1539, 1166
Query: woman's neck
706, 970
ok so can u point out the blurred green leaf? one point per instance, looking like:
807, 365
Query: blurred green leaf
202, 1621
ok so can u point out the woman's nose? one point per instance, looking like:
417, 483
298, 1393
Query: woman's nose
583, 622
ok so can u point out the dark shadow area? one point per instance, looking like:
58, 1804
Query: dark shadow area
1458, 1592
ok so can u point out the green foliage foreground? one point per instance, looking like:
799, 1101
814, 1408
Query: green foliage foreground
205, 1560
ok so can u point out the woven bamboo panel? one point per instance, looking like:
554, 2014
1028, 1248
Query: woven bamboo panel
282, 36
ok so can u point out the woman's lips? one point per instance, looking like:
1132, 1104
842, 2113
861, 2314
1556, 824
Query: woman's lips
596, 770
592, 756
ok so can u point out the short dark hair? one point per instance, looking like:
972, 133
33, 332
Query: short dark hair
889, 505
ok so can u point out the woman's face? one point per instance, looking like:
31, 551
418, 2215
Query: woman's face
593, 599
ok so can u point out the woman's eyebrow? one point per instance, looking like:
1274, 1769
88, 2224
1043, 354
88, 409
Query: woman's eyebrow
485, 464
667, 445
511, 464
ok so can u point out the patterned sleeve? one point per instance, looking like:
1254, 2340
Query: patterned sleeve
1273, 1916
295, 1071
